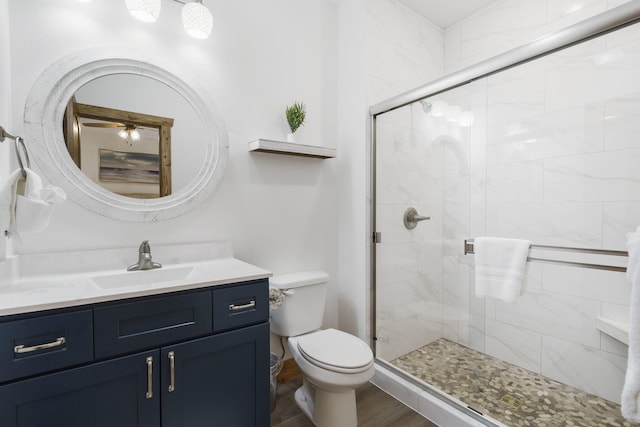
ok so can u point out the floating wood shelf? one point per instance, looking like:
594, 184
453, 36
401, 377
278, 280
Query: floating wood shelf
291, 149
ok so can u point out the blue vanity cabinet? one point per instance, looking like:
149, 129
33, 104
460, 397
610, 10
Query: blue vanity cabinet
221, 380
103, 394
190, 367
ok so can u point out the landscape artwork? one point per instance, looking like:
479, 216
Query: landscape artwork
129, 167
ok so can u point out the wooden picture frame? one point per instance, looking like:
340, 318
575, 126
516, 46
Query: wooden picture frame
162, 124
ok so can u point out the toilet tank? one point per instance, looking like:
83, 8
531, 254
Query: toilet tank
303, 307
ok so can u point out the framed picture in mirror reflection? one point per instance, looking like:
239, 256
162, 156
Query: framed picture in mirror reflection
125, 152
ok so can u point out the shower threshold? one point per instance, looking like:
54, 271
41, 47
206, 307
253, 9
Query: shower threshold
504, 392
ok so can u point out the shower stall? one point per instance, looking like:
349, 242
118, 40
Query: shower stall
541, 143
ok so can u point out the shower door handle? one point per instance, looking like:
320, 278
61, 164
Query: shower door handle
411, 218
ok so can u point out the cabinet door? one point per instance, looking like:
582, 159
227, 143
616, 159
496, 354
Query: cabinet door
221, 380
105, 394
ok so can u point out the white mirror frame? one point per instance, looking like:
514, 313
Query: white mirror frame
43, 115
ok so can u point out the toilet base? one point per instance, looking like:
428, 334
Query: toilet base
305, 401
327, 408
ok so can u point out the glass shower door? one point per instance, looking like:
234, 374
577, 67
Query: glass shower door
545, 151
426, 159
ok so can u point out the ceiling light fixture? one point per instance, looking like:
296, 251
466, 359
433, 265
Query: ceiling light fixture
144, 10
196, 18
130, 134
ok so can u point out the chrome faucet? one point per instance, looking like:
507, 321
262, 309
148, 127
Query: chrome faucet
144, 259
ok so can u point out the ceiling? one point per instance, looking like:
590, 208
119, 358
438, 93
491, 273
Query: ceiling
446, 12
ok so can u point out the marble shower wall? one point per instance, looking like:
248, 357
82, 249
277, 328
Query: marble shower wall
426, 161
561, 168
507, 24
404, 50
552, 157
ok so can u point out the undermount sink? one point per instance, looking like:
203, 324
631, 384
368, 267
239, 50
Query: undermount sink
141, 277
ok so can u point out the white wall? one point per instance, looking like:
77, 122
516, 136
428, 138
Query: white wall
5, 107
352, 172
279, 211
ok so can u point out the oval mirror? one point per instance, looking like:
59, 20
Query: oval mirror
125, 137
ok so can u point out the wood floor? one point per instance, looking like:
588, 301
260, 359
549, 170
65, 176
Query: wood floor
375, 409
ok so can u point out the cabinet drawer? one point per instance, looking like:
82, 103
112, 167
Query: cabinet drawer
45, 343
127, 327
240, 305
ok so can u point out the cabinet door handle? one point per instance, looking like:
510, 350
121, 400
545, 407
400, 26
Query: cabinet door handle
172, 366
22, 349
149, 394
233, 307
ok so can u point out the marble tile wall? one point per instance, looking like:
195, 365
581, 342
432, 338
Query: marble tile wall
404, 50
552, 157
507, 24
424, 161
561, 169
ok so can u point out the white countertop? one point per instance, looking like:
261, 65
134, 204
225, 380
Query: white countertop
26, 293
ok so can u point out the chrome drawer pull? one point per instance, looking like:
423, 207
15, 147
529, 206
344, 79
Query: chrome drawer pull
149, 394
22, 349
233, 307
172, 364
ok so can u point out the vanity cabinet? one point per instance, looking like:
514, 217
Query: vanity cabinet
104, 394
187, 359
217, 380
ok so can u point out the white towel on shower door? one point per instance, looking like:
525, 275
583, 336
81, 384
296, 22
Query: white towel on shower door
500, 265
631, 390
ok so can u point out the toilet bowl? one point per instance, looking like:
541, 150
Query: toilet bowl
333, 363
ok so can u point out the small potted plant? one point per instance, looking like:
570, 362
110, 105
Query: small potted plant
295, 114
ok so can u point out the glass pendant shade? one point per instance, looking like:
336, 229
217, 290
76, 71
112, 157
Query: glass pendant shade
144, 10
197, 20
129, 134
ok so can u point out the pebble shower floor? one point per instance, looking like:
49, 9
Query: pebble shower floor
505, 392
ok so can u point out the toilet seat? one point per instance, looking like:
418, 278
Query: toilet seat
335, 351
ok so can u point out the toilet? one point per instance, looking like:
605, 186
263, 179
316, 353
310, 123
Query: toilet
333, 363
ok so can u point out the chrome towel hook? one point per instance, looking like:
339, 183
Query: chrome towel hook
4, 134
21, 150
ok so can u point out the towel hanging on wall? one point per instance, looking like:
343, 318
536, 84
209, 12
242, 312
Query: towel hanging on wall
25, 205
499, 267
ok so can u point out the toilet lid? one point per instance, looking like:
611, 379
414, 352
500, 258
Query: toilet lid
335, 350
